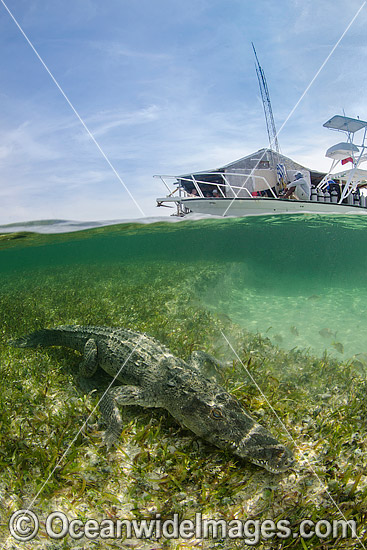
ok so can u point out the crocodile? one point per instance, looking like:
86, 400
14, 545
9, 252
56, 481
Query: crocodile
151, 376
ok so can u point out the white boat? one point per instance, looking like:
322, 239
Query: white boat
254, 185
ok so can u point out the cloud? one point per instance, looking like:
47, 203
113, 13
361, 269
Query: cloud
118, 50
105, 121
23, 144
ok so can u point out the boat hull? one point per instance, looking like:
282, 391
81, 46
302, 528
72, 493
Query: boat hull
264, 206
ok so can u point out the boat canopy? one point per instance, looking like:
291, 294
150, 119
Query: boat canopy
340, 151
355, 175
344, 152
345, 124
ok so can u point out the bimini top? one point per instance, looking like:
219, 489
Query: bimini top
346, 124
341, 150
356, 174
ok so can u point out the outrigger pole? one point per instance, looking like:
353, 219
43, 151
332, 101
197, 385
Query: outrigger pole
269, 119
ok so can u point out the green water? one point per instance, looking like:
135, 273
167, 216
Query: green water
298, 280
268, 285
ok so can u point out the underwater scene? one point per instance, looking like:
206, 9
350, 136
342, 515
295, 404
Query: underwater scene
280, 302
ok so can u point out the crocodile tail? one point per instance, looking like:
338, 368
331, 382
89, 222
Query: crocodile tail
44, 337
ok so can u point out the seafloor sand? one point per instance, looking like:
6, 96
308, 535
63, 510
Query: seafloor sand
333, 320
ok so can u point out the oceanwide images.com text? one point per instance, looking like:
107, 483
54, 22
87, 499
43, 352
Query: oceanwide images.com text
24, 525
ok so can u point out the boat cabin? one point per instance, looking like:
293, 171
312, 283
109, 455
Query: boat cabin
255, 174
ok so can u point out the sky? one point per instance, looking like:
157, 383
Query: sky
164, 87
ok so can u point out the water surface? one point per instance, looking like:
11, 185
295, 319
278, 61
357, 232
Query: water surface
298, 280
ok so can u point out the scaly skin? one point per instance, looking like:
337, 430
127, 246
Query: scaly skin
153, 377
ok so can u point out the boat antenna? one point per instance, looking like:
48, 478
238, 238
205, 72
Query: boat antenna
269, 118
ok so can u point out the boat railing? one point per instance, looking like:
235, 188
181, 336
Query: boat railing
223, 186
318, 194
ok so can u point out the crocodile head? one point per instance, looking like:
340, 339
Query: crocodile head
219, 418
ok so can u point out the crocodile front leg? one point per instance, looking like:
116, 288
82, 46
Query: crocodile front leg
123, 395
207, 364
112, 418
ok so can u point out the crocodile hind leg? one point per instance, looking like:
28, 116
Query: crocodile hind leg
89, 364
122, 395
107, 405
88, 367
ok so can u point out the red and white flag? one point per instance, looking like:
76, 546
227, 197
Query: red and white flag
349, 159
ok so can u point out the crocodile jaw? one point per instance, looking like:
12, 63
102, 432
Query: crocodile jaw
286, 460
262, 449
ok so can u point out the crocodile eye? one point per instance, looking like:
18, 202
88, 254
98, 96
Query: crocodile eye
216, 414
